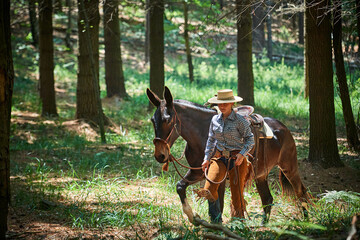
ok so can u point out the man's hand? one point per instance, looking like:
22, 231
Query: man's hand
205, 164
239, 159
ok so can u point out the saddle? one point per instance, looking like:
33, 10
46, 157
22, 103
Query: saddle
257, 122
259, 128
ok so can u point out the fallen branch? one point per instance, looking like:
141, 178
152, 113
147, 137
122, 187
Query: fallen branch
219, 227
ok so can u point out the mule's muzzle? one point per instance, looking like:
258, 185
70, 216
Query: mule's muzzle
162, 150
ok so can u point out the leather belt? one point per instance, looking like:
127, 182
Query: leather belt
226, 153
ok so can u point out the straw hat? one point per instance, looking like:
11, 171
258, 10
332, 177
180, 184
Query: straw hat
225, 96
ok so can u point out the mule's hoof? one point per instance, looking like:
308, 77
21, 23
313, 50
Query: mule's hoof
204, 193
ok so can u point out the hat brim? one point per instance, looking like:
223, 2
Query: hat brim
217, 101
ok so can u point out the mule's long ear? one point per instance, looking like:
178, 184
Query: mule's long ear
153, 98
168, 97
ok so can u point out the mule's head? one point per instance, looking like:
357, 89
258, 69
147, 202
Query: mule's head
165, 124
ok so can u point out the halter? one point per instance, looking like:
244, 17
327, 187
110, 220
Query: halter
171, 157
174, 127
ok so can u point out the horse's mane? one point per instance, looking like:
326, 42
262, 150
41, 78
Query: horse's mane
193, 105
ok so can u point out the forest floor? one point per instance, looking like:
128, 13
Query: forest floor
42, 224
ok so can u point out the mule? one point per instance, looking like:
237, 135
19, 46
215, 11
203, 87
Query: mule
191, 121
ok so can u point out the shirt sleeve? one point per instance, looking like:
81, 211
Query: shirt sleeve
211, 143
248, 137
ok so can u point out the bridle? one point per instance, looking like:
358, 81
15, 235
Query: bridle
174, 127
171, 157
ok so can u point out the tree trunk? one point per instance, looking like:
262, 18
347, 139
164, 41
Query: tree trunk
156, 47
33, 22
258, 33
147, 32
187, 43
88, 103
244, 51
351, 131
358, 22
114, 75
58, 6
322, 144
69, 26
301, 27
6, 89
46, 62
269, 31
306, 67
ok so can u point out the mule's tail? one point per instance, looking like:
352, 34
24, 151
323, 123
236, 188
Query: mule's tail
286, 187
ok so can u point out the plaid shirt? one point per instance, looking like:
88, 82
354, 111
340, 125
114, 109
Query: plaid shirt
232, 134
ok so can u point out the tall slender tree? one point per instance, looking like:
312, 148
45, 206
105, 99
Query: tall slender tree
58, 6
258, 33
156, 47
351, 131
269, 30
358, 22
244, 51
322, 144
46, 62
69, 25
88, 103
114, 75
6, 90
306, 62
147, 31
33, 22
301, 27
187, 42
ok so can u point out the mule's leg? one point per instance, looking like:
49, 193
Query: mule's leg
181, 186
265, 195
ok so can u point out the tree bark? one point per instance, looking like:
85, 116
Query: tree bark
33, 22
46, 62
147, 32
358, 22
6, 90
58, 6
69, 25
114, 75
322, 144
301, 27
187, 43
258, 33
269, 31
244, 51
306, 62
88, 103
351, 131
156, 47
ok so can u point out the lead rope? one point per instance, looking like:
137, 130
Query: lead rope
188, 181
